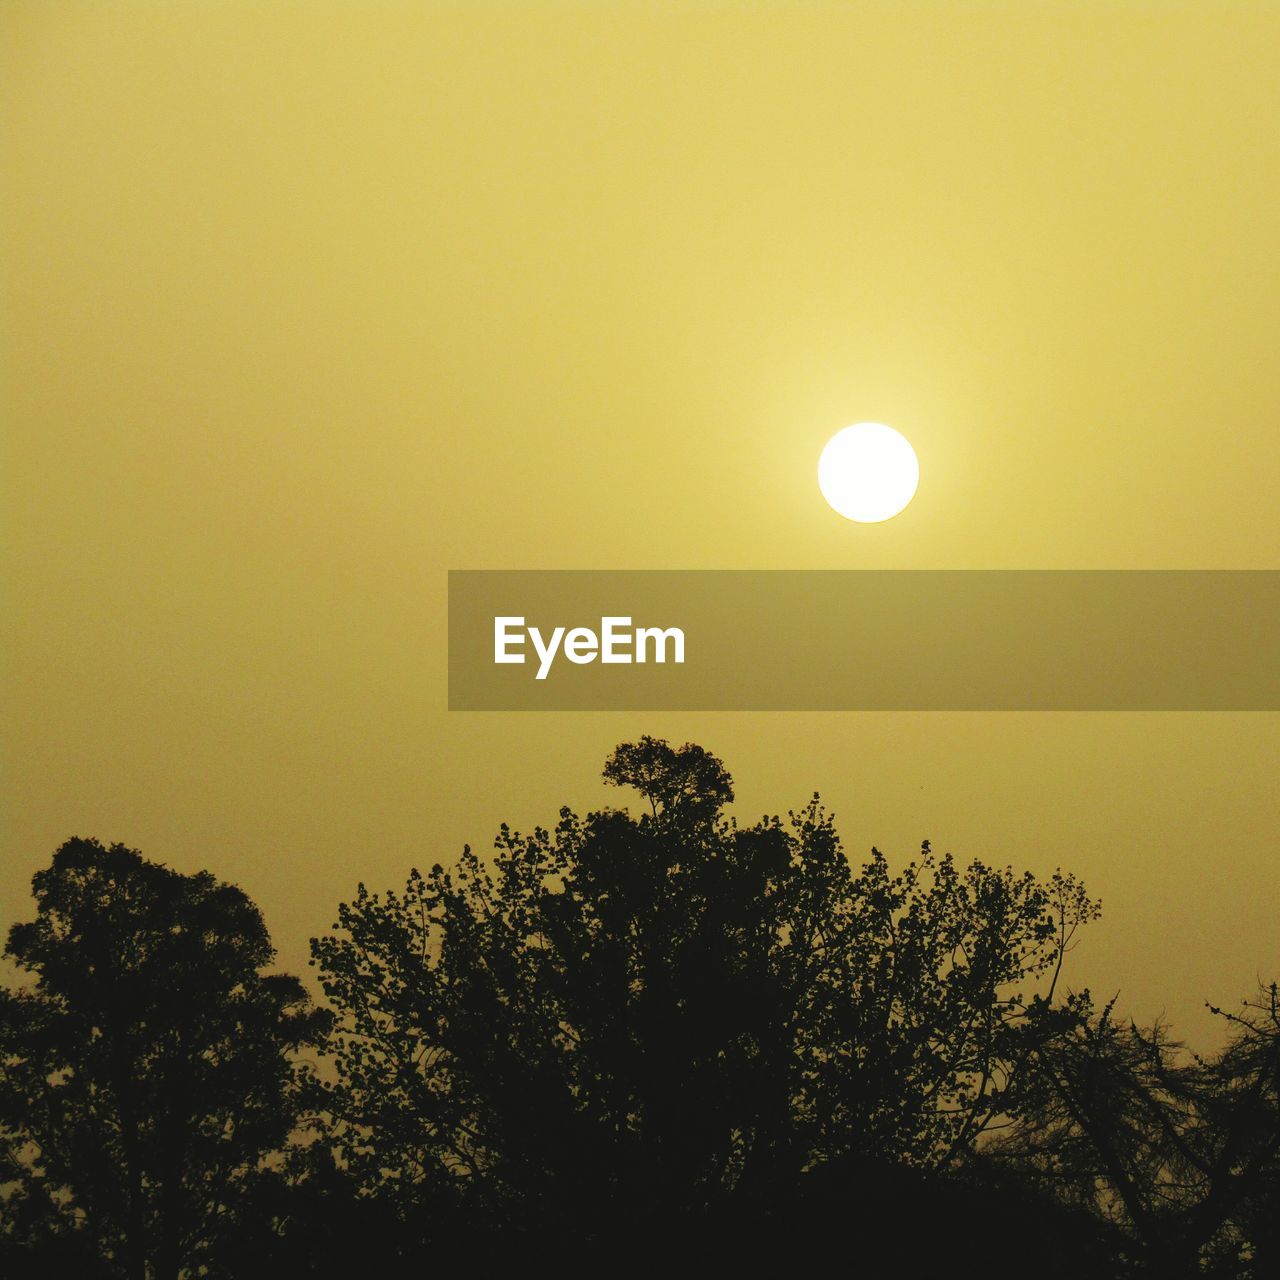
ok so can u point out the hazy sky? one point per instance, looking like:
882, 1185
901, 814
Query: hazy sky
305, 304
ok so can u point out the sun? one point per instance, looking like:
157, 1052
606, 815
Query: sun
868, 472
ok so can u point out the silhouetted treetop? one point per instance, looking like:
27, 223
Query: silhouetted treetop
148, 1066
1180, 1151
628, 1045
621, 1026
683, 783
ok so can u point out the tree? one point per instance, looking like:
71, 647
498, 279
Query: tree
1180, 1151
147, 1070
631, 1028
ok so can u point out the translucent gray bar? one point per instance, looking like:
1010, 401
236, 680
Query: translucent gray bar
813, 640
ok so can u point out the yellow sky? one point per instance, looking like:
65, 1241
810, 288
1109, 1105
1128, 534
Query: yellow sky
304, 304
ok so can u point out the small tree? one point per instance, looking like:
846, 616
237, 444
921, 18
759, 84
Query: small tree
620, 1028
147, 1069
1180, 1151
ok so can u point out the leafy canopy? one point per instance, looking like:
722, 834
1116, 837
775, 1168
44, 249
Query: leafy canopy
626, 1020
147, 1067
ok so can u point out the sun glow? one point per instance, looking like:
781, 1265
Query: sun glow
868, 472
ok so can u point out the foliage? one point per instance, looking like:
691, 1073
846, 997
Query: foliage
630, 1044
626, 1021
147, 1070
1179, 1150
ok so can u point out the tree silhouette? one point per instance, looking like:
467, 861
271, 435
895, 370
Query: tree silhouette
147, 1069
663, 1041
1180, 1151
629, 1029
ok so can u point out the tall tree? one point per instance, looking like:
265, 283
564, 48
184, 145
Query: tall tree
147, 1067
623, 1027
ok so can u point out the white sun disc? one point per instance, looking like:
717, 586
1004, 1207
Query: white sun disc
868, 472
